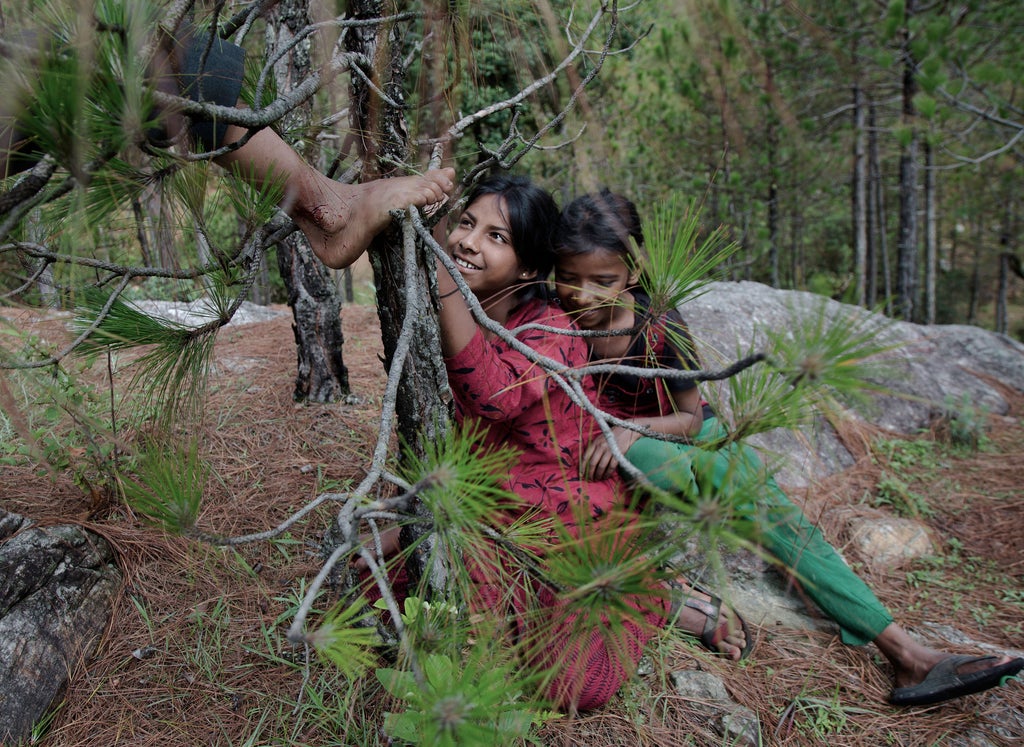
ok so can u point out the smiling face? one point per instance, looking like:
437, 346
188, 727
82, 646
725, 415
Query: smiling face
592, 288
481, 245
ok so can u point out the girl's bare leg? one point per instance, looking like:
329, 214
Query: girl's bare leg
340, 220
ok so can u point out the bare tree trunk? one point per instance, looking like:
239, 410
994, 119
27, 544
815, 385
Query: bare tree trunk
975, 289
160, 221
773, 207
878, 213
872, 258
860, 192
1004, 282
795, 253
423, 409
931, 240
345, 282
906, 277
312, 293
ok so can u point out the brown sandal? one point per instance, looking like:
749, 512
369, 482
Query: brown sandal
716, 627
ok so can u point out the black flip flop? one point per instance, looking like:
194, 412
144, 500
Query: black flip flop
943, 683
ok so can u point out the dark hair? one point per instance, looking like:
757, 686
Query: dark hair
604, 220
532, 217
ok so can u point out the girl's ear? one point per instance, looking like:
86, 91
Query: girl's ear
529, 273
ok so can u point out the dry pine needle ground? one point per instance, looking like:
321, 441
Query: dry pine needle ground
195, 653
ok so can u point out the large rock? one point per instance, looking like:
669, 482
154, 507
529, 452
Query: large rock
58, 586
927, 367
929, 370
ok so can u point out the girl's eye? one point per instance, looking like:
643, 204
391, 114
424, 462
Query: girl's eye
499, 237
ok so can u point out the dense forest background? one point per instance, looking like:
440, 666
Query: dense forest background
865, 150
868, 151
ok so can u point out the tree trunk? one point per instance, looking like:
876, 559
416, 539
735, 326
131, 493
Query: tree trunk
878, 212
422, 412
773, 206
872, 263
931, 236
975, 289
906, 277
1004, 281
312, 293
423, 407
860, 197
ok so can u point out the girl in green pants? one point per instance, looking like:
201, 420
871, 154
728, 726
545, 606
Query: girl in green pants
596, 278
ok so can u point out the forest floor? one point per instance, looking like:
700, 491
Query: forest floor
195, 652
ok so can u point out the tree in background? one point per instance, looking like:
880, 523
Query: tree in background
758, 108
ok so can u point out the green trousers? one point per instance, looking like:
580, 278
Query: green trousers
778, 525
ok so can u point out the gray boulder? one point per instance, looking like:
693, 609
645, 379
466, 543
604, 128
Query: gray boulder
929, 370
926, 368
59, 583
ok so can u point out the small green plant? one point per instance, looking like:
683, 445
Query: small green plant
983, 615
64, 424
904, 455
210, 622
964, 424
818, 717
895, 493
170, 486
454, 703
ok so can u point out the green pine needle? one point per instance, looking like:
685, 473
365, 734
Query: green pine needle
345, 639
169, 487
170, 377
836, 354
463, 486
679, 263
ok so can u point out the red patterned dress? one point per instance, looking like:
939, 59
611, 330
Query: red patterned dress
523, 408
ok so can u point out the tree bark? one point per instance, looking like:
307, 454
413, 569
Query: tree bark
1001, 292
312, 294
773, 206
975, 289
423, 408
931, 235
906, 277
878, 213
860, 197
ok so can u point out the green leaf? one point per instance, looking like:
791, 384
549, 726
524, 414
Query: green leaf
399, 684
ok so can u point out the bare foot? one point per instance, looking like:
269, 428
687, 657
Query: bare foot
340, 220
702, 615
